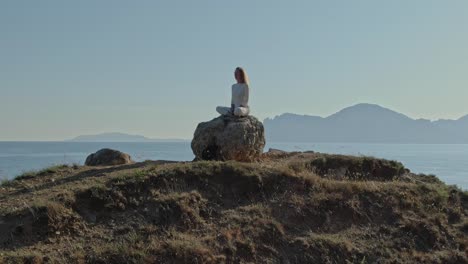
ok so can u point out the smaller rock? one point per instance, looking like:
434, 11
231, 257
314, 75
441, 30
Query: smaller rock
108, 157
276, 151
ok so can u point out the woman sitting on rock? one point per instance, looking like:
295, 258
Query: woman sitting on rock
240, 96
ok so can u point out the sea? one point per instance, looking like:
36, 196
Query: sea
448, 161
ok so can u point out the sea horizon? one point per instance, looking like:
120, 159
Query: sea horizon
189, 140
449, 162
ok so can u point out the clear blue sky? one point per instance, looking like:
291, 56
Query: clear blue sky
157, 68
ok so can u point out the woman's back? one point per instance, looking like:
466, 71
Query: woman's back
240, 95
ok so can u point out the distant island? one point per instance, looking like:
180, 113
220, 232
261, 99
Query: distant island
119, 137
365, 123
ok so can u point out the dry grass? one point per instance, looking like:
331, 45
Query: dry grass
297, 208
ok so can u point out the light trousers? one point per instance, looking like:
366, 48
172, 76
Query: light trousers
238, 111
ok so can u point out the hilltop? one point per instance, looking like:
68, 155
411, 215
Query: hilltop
288, 208
365, 123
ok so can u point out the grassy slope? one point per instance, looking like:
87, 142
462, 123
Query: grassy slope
289, 208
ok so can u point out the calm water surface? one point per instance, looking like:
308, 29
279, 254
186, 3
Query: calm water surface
449, 162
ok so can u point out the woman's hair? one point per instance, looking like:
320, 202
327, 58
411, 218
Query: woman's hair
243, 75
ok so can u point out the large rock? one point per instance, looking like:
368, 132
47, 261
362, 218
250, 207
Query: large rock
229, 138
108, 157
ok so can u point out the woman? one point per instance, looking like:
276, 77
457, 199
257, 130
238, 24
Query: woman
240, 96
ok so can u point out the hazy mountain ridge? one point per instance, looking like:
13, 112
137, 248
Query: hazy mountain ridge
119, 137
365, 123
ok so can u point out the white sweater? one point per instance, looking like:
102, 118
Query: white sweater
240, 95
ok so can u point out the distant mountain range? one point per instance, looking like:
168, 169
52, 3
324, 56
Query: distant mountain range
365, 123
119, 137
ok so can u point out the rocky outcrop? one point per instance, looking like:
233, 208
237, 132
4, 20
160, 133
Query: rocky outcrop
229, 138
108, 157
